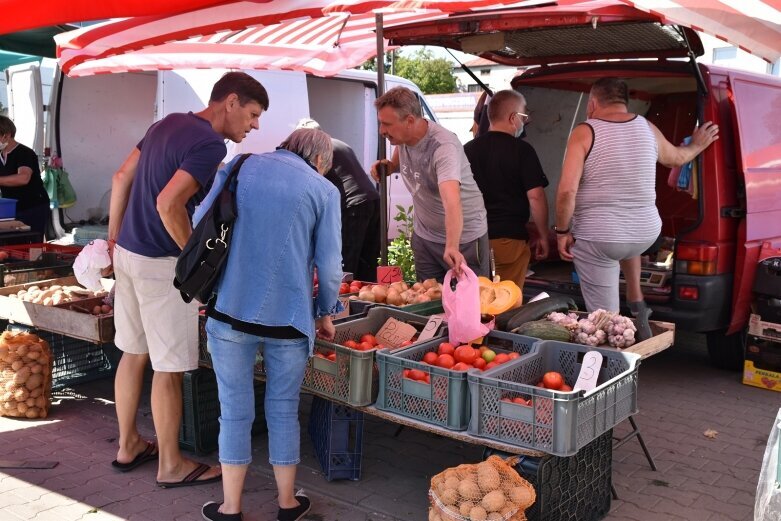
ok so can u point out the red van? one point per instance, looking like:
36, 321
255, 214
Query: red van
714, 226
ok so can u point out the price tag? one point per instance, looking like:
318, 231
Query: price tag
432, 326
395, 332
589, 371
388, 274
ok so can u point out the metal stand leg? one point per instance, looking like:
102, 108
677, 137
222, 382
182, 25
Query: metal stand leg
635, 432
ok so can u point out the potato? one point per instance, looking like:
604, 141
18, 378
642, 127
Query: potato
468, 489
35, 393
10, 385
40, 402
452, 483
465, 508
7, 396
32, 412
493, 501
34, 381
9, 405
33, 354
22, 375
495, 516
449, 496
478, 513
22, 350
96, 310
36, 368
18, 364
105, 308
488, 477
22, 407
21, 394
520, 496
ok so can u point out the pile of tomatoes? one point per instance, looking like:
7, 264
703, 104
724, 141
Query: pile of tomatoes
460, 358
551, 380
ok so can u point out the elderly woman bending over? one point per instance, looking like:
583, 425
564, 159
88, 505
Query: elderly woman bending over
288, 223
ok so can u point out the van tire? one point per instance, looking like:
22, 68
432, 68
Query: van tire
726, 351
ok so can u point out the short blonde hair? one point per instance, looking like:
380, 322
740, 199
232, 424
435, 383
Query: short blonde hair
402, 100
310, 143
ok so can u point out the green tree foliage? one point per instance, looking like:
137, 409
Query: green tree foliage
400, 249
432, 75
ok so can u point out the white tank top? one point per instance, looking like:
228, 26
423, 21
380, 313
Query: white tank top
616, 199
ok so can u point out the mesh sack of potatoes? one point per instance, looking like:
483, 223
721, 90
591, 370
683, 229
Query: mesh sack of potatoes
491, 490
25, 375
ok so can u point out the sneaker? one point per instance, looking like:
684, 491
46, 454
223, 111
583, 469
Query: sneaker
210, 512
295, 513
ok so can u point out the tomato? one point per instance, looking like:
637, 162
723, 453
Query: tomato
540, 384
332, 356
430, 358
461, 366
565, 388
368, 337
352, 344
466, 354
479, 363
520, 401
501, 358
446, 361
446, 348
417, 374
489, 355
405, 373
552, 380
365, 346
507, 399
357, 283
490, 365
344, 288
513, 356
482, 349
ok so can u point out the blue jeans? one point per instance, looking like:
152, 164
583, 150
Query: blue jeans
233, 357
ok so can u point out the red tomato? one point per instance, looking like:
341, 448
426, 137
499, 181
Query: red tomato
552, 380
540, 384
368, 337
466, 354
332, 356
417, 374
565, 388
357, 283
461, 366
427, 379
446, 361
482, 349
430, 358
507, 399
366, 346
344, 288
513, 356
479, 363
490, 365
446, 348
405, 373
520, 401
501, 358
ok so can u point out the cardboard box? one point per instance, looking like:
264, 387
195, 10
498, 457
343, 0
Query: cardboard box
762, 329
762, 366
61, 319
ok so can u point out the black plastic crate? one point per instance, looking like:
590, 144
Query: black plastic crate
201, 411
574, 488
337, 434
49, 266
73, 360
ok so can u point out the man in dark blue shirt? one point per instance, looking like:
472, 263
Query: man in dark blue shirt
153, 195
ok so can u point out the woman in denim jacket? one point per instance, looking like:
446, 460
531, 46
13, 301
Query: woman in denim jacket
288, 223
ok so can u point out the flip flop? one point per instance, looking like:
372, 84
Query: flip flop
148, 454
191, 479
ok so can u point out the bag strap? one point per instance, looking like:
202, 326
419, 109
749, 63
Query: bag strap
211, 263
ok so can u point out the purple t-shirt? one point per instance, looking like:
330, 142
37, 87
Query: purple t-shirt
177, 142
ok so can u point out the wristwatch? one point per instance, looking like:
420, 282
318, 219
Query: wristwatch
561, 232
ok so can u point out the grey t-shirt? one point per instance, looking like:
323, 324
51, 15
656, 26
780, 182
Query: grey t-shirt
437, 158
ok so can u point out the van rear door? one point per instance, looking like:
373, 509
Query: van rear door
755, 107
25, 104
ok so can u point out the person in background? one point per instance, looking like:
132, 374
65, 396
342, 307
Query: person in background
152, 198
510, 176
606, 213
288, 223
480, 122
20, 179
450, 225
360, 210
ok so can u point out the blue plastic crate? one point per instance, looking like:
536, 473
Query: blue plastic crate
7, 208
337, 434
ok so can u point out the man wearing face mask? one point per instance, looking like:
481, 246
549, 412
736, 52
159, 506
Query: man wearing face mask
509, 174
20, 179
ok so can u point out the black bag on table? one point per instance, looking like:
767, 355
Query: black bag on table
199, 265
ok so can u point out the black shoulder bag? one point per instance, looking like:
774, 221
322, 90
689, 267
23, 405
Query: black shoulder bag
203, 257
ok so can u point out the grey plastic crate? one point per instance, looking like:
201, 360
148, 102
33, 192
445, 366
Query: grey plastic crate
352, 378
559, 423
445, 401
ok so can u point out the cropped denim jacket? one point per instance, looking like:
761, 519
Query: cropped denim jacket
289, 221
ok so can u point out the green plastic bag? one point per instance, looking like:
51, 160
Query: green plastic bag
58, 187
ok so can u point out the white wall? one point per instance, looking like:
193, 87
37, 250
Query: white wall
742, 60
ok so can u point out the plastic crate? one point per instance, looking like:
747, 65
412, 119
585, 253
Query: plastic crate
424, 308
575, 488
337, 435
7, 208
352, 378
445, 401
201, 411
74, 361
557, 423
84, 235
15, 272
31, 252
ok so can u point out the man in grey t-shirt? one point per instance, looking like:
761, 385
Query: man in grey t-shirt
450, 219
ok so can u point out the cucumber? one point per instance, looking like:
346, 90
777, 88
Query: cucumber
514, 318
544, 330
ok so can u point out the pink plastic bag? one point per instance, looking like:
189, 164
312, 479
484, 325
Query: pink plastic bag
462, 306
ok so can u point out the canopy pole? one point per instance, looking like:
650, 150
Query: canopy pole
381, 152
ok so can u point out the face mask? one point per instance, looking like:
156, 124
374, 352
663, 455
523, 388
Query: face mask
519, 131
3, 145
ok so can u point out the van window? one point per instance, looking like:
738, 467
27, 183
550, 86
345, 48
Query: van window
427, 113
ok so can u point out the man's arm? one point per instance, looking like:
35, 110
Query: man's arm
450, 192
538, 205
172, 206
571, 171
20, 178
670, 155
392, 165
121, 183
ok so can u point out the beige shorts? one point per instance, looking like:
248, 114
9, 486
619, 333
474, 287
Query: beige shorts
150, 315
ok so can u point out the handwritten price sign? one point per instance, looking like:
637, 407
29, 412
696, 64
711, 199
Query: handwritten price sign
394, 333
388, 274
589, 371
432, 326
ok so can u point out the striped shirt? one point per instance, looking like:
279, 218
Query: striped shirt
616, 199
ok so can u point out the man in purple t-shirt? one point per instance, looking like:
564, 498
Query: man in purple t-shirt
153, 195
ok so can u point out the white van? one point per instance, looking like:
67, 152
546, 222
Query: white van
95, 121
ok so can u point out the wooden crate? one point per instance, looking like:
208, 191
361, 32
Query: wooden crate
61, 319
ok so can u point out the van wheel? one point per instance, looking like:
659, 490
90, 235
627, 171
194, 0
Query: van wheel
726, 351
